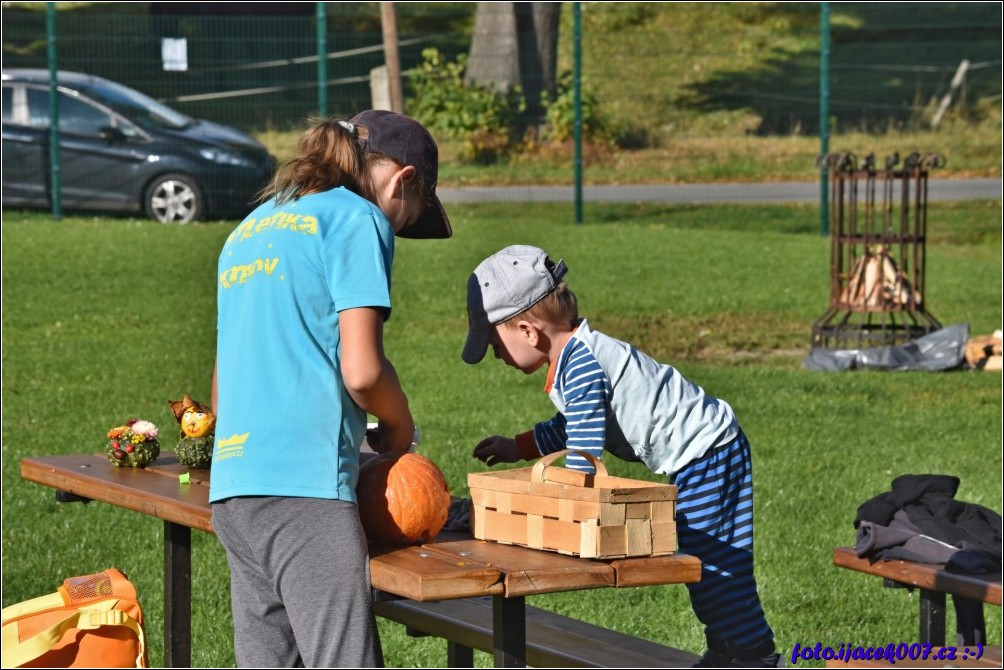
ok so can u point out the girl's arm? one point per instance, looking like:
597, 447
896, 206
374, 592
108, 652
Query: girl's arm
370, 378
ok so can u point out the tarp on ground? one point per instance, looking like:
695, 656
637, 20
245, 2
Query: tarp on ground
943, 349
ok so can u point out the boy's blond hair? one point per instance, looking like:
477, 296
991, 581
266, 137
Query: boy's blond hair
559, 306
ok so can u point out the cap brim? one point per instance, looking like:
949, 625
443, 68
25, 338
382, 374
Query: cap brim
432, 225
476, 345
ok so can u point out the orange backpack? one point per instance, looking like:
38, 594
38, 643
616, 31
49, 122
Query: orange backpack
91, 621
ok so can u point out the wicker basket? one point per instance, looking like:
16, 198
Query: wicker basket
571, 512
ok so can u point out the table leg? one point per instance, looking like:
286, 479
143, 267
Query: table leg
177, 595
932, 617
970, 624
509, 631
458, 655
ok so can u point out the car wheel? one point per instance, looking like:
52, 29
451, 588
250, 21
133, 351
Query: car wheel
173, 198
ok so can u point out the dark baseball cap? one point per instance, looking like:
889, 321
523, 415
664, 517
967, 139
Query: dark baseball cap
408, 142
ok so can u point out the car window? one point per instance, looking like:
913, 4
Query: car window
8, 104
83, 118
76, 115
15, 105
30, 106
37, 100
139, 108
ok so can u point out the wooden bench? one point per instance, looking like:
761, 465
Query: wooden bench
452, 566
552, 640
971, 591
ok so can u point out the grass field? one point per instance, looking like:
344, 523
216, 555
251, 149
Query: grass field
109, 318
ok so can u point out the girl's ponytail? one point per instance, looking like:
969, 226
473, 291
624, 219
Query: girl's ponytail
328, 155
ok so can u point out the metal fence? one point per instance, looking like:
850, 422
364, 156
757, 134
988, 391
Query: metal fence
268, 66
257, 71
255, 65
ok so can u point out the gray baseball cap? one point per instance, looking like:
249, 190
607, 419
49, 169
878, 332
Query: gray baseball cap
503, 285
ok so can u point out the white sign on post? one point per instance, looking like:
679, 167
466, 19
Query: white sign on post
174, 53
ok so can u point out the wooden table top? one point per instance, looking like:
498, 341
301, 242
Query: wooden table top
931, 577
154, 490
453, 565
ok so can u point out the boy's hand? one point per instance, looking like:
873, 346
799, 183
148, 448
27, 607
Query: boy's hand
497, 449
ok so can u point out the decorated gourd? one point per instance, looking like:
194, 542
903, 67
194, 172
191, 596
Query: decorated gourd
403, 498
133, 444
198, 427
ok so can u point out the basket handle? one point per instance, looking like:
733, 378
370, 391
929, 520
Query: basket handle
566, 476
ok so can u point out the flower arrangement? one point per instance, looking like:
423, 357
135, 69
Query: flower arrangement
133, 445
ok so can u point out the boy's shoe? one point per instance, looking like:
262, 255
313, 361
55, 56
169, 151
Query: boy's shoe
714, 658
756, 658
772, 660
720, 655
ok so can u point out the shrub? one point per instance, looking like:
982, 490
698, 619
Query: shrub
479, 118
597, 127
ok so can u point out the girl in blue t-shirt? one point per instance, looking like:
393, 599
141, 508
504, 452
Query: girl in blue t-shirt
303, 290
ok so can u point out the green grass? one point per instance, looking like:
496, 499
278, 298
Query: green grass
972, 149
108, 318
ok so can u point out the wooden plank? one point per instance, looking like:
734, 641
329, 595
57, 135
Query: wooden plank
655, 570
664, 538
588, 539
137, 489
570, 477
557, 508
528, 572
432, 572
552, 640
605, 489
932, 577
457, 565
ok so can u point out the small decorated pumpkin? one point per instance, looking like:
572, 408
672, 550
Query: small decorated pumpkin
133, 444
198, 427
403, 498
195, 452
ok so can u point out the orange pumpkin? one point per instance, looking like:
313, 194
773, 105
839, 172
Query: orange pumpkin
403, 498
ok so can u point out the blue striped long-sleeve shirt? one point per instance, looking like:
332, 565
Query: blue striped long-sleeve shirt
612, 397
582, 425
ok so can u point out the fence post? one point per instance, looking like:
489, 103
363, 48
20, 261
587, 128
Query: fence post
577, 98
54, 174
824, 117
322, 60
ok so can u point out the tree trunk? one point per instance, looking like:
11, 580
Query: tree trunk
392, 58
516, 44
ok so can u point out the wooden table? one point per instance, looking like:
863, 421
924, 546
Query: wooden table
452, 566
934, 583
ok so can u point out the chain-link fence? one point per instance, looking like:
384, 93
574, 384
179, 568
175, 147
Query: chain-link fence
251, 65
680, 69
255, 65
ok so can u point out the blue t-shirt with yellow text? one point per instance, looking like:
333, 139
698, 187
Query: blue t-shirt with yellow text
286, 426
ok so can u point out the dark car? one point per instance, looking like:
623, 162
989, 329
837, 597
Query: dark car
121, 150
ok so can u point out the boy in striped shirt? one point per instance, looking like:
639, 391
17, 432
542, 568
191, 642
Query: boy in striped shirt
612, 397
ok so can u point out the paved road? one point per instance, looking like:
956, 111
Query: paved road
938, 189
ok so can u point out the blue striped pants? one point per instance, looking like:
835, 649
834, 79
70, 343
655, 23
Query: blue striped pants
714, 517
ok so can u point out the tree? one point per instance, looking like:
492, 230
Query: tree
516, 44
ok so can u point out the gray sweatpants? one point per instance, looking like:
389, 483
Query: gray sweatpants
299, 583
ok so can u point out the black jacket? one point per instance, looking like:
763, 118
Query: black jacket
920, 520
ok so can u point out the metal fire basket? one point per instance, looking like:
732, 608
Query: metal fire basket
878, 252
